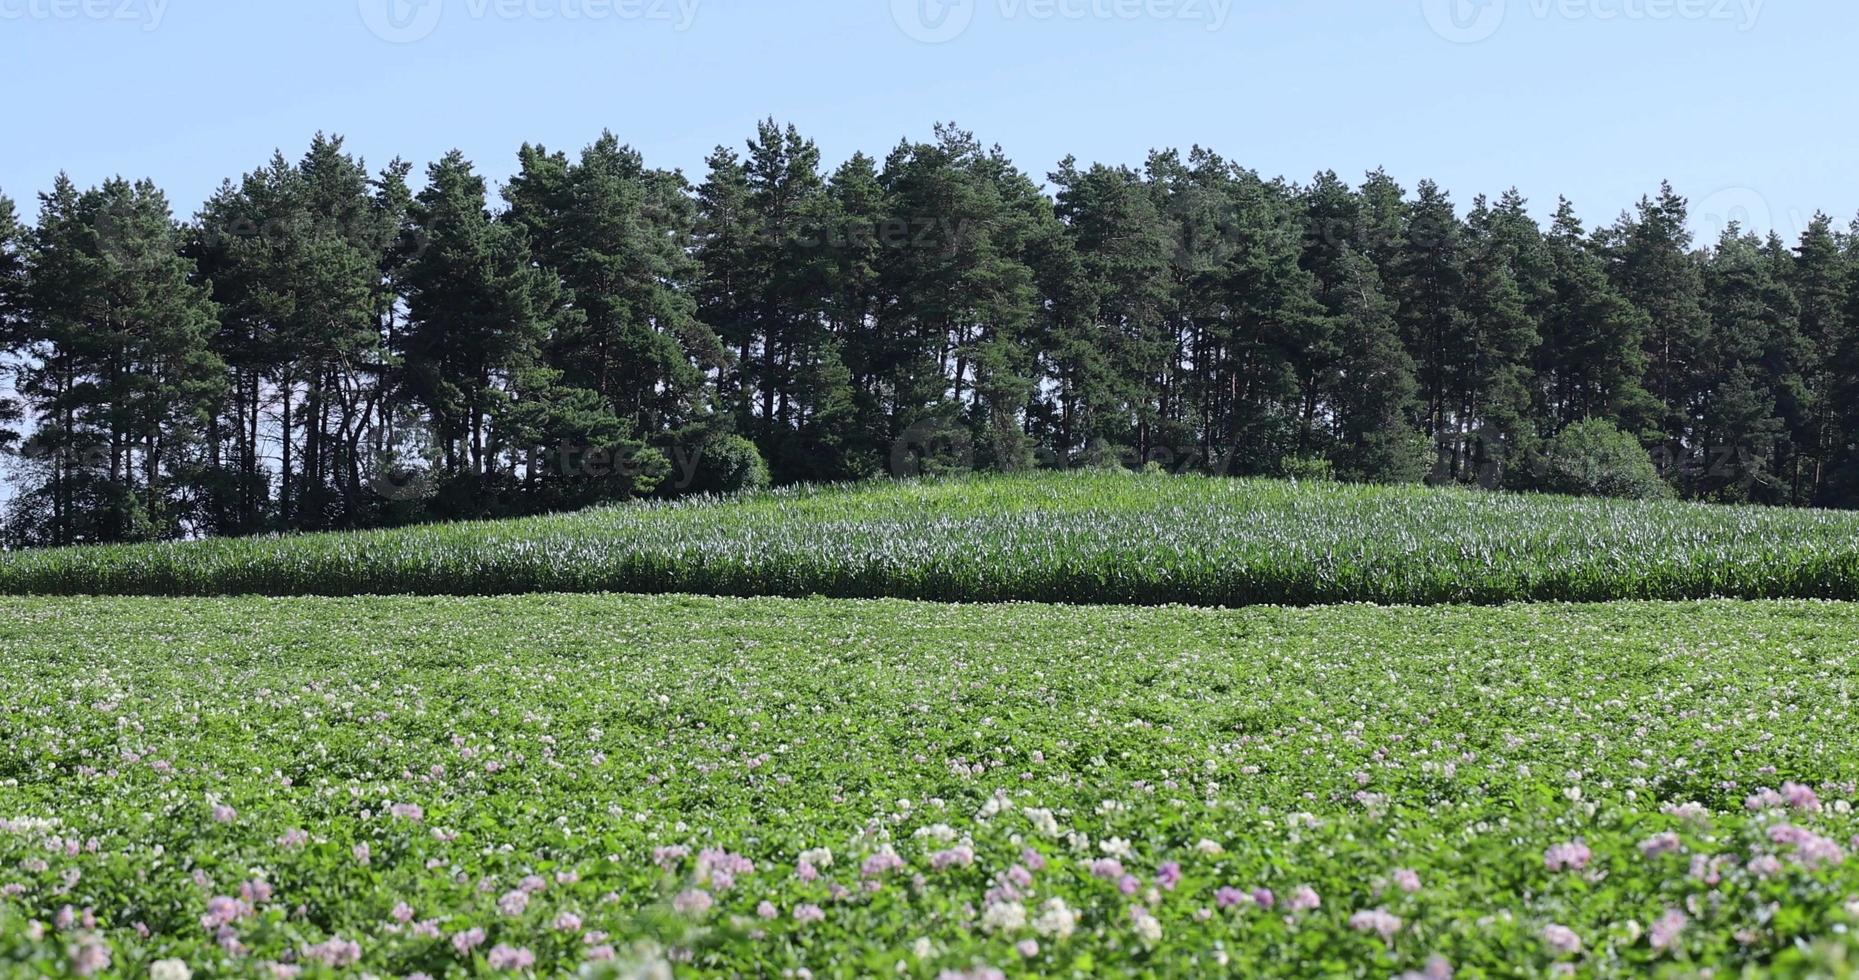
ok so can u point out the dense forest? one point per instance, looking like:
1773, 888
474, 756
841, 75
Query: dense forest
325, 346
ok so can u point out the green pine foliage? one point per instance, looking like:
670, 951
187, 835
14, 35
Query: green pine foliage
1591, 362
118, 367
12, 298
478, 312
325, 346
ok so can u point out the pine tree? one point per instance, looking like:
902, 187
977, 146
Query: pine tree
479, 310
850, 424
1333, 216
12, 296
1737, 416
1654, 268
785, 195
1842, 479
618, 235
960, 296
12, 262
299, 256
1821, 279
1109, 363
1790, 362
1505, 275
373, 447
336, 330
728, 285
1273, 342
1194, 197
121, 379
1367, 388
1591, 358
1382, 223
1430, 283
824, 402
240, 245
1513, 236
1024, 224
1374, 398
63, 493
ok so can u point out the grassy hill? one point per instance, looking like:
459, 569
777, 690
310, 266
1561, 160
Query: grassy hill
1077, 538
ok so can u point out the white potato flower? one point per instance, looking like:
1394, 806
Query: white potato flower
1004, 917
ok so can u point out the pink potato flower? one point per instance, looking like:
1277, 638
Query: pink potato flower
1562, 939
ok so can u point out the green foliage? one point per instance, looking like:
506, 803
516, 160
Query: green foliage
1652, 264
727, 465
478, 313
1109, 338
314, 763
297, 255
1749, 366
12, 297
1375, 391
931, 312
1595, 459
1818, 279
120, 373
1307, 469
614, 232
1591, 361
1086, 537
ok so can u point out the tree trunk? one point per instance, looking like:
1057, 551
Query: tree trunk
287, 391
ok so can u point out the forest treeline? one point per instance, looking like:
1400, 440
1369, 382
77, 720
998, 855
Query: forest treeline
325, 346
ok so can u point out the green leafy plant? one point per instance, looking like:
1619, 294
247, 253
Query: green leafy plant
1116, 538
544, 784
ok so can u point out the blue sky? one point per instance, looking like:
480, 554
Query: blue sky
1745, 105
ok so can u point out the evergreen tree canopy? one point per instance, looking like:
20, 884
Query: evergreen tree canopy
328, 346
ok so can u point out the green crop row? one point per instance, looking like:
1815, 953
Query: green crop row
401, 786
1108, 539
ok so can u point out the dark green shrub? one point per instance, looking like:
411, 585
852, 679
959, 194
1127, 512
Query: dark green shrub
1595, 459
727, 464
